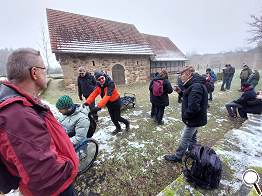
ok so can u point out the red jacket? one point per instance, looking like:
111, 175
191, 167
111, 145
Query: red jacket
33, 145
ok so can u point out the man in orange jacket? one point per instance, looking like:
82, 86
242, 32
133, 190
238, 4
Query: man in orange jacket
110, 98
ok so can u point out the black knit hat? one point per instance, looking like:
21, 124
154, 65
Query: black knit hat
97, 74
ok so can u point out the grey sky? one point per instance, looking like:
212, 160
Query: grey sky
204, 26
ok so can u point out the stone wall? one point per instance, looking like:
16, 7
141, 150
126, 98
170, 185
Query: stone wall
137, 67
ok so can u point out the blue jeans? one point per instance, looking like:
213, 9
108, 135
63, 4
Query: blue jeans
188, 138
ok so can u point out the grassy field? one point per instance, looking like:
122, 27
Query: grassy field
131, 163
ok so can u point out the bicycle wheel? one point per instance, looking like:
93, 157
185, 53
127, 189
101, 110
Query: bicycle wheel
87, 153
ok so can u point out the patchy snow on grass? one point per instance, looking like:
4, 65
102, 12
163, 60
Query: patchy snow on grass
248, 139
134, 126
221, 120
137, 113
136, 145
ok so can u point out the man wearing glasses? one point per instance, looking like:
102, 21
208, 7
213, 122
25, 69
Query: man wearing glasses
35, 152
86, 85
194, 110
110, 98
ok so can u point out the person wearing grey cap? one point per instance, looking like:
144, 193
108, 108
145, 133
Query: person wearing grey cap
194, 110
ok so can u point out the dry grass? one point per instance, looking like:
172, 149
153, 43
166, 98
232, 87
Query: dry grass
134, 165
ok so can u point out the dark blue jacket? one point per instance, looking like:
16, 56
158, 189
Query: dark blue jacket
248, 95
86, 85
195, 100
161, 100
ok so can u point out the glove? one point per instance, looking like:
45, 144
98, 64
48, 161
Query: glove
85, 104
80, 97
95, 110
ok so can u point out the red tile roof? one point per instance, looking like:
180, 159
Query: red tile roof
74, 33
164, 49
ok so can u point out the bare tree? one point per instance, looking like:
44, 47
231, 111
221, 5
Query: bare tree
256, 29
45, 47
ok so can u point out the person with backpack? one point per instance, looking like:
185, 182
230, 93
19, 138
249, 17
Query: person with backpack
36, 153
253, 78
209, 85
194, 110
110, 98
153, 106
74, 119
210, 72
244, 75
86, 84
159, 88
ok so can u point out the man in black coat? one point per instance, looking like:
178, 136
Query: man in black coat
86, 85
194, 110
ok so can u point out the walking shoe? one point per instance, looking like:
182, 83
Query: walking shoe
172, 158
128, 126
116, 131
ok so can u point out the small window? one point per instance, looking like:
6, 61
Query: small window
94, 63
137, 62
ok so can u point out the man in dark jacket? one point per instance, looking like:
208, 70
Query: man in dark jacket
244, 75
86, 85
231, 71
194, 110
34, 147
160, 101
225, 77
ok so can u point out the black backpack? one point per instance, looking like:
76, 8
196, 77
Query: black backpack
206, 168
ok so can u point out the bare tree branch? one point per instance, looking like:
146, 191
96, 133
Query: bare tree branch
256, 29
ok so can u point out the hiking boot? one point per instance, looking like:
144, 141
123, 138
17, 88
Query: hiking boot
172, 158
116, 131
128, 126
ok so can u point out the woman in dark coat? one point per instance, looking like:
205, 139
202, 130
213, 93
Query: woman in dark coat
160, 101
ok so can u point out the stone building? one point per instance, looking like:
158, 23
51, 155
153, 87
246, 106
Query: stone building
118, 49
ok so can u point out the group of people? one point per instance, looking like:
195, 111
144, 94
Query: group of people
42, 160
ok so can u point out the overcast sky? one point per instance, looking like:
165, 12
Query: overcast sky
203, 26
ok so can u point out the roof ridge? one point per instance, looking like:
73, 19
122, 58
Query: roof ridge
67, 12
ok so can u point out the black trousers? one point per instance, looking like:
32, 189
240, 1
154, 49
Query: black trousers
153, 110
159, 113
115, 113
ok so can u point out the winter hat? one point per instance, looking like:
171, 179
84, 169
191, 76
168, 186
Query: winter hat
97, 74
64, 102
186, 68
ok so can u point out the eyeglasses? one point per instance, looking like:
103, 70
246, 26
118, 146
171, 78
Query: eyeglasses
102, 78
44, 68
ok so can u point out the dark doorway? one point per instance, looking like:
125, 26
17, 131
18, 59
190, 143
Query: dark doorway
118, 73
